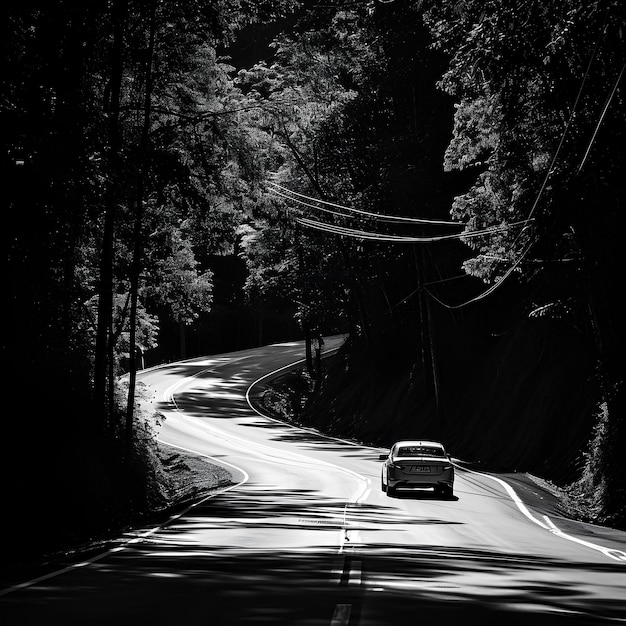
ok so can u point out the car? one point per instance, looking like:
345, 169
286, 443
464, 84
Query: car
417, 463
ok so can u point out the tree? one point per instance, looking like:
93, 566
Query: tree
107, 155
351, 105
540, 123
290, 100
178, 111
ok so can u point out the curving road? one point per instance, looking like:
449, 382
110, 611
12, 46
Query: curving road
306, 537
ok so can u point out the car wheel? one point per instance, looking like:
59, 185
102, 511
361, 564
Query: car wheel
447, 491
382, 485
391, 491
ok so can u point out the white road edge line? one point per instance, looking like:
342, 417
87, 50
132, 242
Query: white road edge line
341, 615
169, 396
274, 373
365, 490
142, 536
617, 555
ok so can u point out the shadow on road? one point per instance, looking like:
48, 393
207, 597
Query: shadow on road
420, 494
210, 567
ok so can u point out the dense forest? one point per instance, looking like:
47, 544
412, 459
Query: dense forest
441, 181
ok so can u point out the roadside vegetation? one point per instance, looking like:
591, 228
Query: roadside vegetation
442, 181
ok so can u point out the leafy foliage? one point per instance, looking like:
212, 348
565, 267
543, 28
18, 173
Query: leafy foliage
127, 162
137, 151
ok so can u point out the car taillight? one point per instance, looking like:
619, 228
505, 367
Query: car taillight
396, 466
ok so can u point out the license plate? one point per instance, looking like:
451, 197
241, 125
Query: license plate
421, 469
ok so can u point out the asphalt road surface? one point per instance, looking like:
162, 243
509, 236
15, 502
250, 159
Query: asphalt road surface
305, 536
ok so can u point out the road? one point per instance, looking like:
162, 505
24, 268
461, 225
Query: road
305, 536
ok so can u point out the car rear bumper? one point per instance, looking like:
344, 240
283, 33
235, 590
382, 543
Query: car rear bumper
419, 484
400, 479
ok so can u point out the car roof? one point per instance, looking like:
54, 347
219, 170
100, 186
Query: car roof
417, 442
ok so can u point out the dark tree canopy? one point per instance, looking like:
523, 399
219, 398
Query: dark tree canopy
440, 180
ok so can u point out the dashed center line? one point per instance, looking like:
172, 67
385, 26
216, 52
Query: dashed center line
341, 616
354, 576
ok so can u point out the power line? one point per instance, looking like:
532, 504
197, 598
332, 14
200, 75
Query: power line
362, 234
313, 206
570, 117
402, 239
377, 216
606, 106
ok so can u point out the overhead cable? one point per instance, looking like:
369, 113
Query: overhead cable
312, 206
606, 106
362, 234
570, 118
377, 216
488, 291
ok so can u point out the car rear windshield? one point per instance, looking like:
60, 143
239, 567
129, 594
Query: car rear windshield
420, 451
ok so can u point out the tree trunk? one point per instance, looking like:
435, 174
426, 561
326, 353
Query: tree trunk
105, 287
307, 349
318, 365
427, 352
353, 283
182, 337
137, 234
